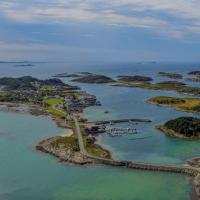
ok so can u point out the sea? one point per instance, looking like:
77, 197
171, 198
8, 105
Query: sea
28, 174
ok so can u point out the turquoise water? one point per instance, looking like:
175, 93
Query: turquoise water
129, 102
27, 174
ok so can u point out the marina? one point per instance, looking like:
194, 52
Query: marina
117, 121
121, 131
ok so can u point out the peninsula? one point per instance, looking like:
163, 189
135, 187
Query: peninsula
54, 98
185, 104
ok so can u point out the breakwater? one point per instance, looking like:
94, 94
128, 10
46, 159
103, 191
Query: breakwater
116, 121
187, 170
143, 166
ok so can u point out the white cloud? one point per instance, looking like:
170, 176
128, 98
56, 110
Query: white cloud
112, 12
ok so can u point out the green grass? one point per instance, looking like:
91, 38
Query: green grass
52, 102
166, 85
70, 142
185, 104
94, 149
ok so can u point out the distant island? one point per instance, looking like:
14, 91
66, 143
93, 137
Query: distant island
170, 75
136, 81
74, 75
184, 104
194, 73
163, 85
93, 78
194, 76
24, 65
182, 128
60, 75
134, 78
13, 62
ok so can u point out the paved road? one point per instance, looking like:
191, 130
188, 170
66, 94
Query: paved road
80, 137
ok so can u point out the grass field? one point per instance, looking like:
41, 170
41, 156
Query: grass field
52, 103
185, 104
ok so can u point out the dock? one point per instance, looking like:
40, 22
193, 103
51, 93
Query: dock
117, 121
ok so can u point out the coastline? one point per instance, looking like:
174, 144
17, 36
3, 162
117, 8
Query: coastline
170, 106
173, 134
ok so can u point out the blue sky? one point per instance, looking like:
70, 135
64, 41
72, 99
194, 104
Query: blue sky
94, 30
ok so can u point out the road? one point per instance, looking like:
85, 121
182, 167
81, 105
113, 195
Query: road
80, 137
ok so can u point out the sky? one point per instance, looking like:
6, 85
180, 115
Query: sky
96, 30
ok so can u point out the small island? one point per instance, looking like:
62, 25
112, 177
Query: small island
170, 75
194, 73
194, 76
134, 78
93, 79
164, 85
185, 104
61, 75
182, 128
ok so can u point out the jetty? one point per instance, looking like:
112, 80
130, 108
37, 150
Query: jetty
121, 131
117, 121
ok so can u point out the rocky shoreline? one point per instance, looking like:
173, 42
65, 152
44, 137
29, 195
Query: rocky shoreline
170, 106
172, 133
62, 152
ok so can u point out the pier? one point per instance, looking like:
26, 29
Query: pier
117, 121
121, 131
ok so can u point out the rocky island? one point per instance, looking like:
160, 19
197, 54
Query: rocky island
194, 76
170, 75
94, 79
194, 73
164, 85
185, 104
136, 78
183, 128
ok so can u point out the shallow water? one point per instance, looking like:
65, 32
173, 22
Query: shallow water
27, 174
